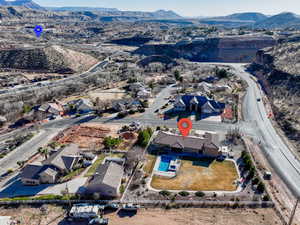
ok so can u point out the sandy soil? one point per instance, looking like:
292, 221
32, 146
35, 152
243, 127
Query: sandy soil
200, 176
198, 217
109, 94
54, 216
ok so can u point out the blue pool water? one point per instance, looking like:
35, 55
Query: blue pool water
164, 163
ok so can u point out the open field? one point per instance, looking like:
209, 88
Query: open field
109, 94
154, 216
202, 175
198, 217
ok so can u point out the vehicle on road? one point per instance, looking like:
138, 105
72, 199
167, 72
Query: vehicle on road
98, 221
131, 206
259, 99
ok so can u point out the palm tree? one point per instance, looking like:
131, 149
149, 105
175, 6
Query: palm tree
44, 151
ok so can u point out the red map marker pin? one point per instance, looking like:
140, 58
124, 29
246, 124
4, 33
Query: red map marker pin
185, 125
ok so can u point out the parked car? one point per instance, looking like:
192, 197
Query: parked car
259, 99
131, 206
98, 221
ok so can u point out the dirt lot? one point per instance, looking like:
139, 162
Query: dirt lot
30, 216
198, 217
87, 135
200, 176
109, 94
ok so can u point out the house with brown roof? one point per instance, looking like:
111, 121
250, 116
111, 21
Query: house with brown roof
207, 145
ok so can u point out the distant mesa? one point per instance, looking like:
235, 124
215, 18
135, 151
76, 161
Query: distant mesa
282, 20
79, 9
237, 19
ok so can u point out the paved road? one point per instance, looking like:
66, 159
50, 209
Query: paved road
256, 124
278, 154
26, 150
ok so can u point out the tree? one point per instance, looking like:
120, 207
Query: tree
261, 187
251, 173
200, 194
43, 151
177, 75
222, 73
144, 137
110, 142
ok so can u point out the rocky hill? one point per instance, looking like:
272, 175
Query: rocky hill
227, 49
51, 59
278, 69
237, 19
25, 3
283, 20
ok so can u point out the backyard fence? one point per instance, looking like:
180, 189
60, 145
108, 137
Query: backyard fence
152, 203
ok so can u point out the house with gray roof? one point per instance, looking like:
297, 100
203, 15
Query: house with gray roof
59, 163
64, 159
107, 179
208, 145
198, 103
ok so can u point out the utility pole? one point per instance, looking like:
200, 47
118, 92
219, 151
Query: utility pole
293, 212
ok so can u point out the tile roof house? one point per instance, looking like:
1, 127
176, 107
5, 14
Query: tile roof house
197, 103
107, 179
60, 162
208, 145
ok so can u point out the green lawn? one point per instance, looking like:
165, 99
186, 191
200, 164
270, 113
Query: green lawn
95, 165
91, 171
72, 174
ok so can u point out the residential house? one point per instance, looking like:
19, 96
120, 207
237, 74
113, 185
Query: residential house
84, 105
50, 110
144, 94
208, 145
196, 103
107, 179
136, 86
30, 174
48, 171
65, 159
126, 104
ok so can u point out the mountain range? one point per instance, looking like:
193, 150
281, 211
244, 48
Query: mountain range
26, 3
252, 19
256, 20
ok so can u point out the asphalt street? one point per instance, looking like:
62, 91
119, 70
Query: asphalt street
256, 124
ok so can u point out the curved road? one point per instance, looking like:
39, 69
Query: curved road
276, 151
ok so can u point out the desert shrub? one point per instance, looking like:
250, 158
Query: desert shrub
184, 193
165, 193
200, 194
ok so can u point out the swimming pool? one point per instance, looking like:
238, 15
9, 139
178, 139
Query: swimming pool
165, 163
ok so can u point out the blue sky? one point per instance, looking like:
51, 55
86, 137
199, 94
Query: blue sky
188, 7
